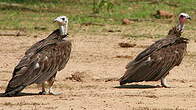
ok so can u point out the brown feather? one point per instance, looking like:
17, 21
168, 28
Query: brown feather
157, 60
41, 62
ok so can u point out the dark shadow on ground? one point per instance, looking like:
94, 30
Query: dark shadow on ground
20, 94
137, 86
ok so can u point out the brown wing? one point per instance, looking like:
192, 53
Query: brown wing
39, 66
43, 42
156, 61
154, 47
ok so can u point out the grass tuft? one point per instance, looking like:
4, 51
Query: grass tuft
28, 14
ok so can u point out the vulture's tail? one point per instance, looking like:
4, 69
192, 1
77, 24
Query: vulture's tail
9, 92
123, 82
124, 79
132, 69
138, 71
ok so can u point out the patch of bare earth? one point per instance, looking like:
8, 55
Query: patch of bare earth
90, 79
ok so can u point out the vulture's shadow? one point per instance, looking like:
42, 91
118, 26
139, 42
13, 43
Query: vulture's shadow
136, 86
20, 94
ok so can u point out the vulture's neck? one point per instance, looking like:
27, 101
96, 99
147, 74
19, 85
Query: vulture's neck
176, 31
180, 27
63, 29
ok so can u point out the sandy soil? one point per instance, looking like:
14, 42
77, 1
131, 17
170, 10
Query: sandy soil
98, 61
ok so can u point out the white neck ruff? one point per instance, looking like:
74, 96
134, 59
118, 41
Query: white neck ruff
63, 29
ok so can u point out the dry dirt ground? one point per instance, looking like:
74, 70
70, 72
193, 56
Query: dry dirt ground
89, 81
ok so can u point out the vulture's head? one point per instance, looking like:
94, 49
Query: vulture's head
183, 17
61, 20
63, 23
180, 26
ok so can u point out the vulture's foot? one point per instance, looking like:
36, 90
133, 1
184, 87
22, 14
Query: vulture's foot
50, 83
164, 83
51, 92
166, 86
43, 93
54, 93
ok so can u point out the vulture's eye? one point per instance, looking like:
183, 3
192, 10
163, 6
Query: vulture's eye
182, 16
63, 19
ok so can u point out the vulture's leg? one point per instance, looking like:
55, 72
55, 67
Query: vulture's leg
43, 92
164, 83
50, 84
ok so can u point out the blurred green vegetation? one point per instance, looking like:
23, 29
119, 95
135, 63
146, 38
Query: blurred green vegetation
27, 14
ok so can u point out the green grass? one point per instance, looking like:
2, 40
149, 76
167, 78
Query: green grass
27, 14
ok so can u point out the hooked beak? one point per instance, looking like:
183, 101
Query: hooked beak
189, 18
55, 20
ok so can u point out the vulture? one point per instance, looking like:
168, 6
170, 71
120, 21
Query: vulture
42, 61
155, 62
